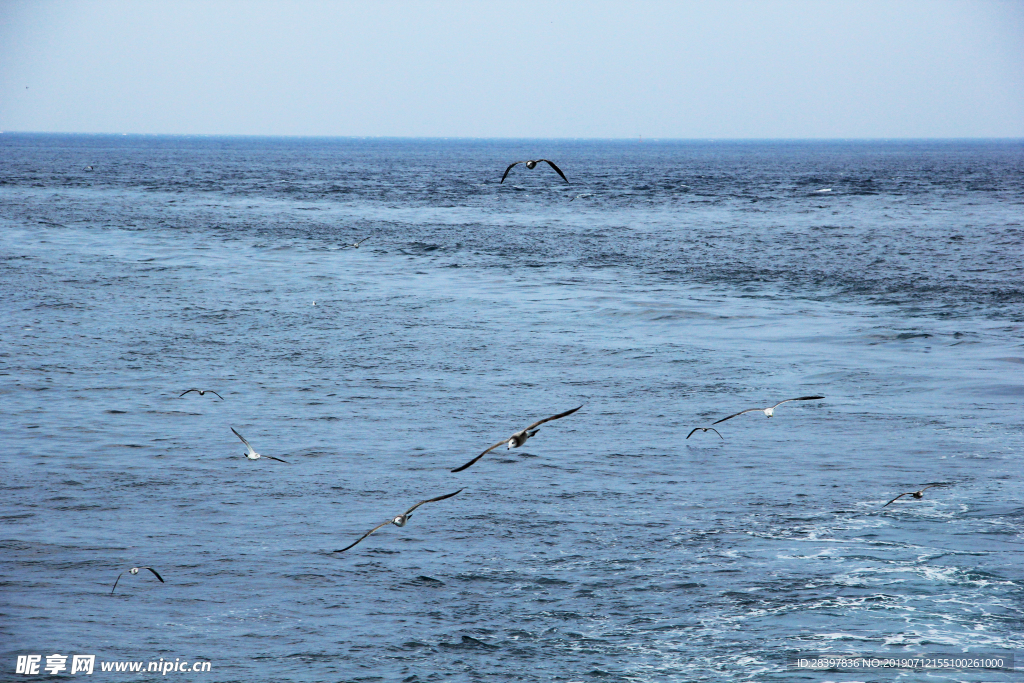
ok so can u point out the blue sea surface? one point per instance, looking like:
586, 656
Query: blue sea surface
667, 285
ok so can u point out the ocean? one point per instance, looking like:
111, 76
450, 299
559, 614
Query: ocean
667, 285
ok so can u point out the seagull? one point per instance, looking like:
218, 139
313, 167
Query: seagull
768, 412
88, 168
519, 438
203, 392
704, 429
400, 520
532, 165
355, 245
252, 454
915, 494
135, 570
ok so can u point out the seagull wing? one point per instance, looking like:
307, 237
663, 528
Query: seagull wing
216, 394
362, 240
552, 165
929, 486
691, 433
459, 469
364, 536
748, 410
549, 419
507, 170
277, 459
154, 573
245, 442
802, 398
115, 582
185, 392
431, 500
897, 498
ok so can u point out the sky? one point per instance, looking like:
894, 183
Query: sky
729, 69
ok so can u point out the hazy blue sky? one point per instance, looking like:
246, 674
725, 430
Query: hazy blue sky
724, 69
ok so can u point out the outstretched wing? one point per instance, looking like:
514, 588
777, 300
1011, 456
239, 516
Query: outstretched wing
277, 459
748, 410
362, 240
802, 398
553, 417
216, 394
897, 498
509, 169
154, 574
185, 392
115, 582
431, 500
364, 536
552, 165
705, 429
251, 450
459, 469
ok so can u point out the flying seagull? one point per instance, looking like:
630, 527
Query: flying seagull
532, 165
704, 429
252, 454
355, 245
915, 494
768, 412
203, 392
400, 520
135, 570
519, 438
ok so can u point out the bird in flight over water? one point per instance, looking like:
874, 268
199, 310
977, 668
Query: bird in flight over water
705, 429
532, 165
768, 412
133, 571
400, 520
252, 454
519, 438
203, 392
916, 494
355, 245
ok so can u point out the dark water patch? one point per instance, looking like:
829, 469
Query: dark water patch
468, 643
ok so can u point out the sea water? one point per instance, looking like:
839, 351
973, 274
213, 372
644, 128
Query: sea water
665, 286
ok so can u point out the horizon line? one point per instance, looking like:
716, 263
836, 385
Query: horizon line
637, 138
